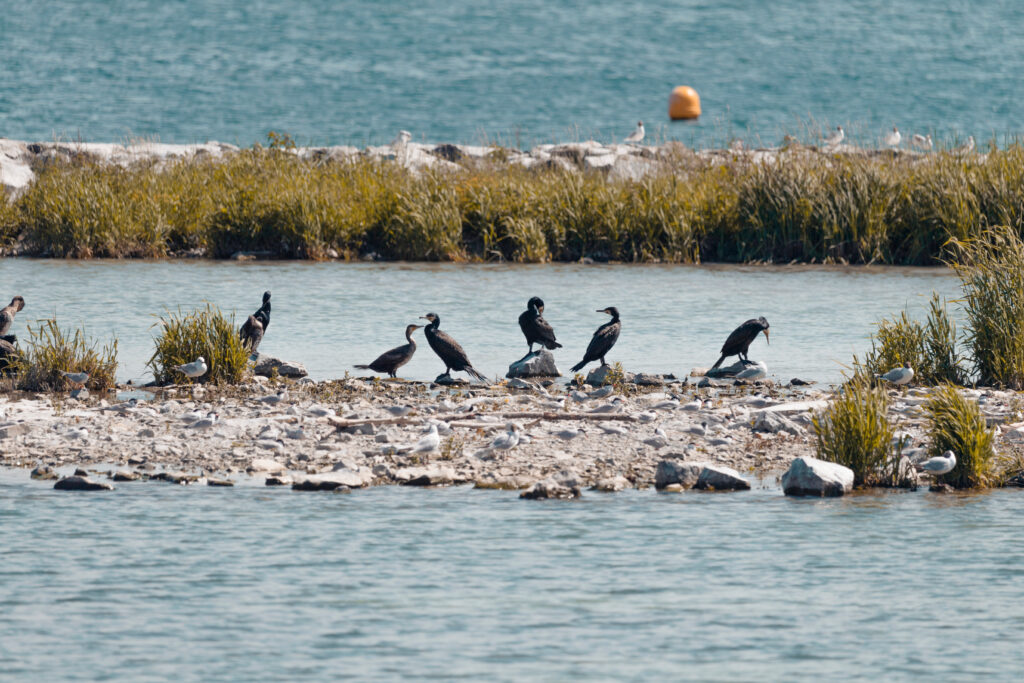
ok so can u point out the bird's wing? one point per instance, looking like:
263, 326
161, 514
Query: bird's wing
391, 356
741, 336
6, 320
543, 330
448, 345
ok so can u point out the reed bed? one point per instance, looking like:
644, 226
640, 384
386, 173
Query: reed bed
930, 347
958, 425
184, 337
804, 206
854, 431
52, 351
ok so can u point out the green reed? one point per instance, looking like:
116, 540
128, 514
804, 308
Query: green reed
957, 424
183, 337
51, 351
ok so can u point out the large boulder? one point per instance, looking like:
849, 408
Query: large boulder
334, 480
721, 478
538, 364
678, 472
266, 366
78, 483
808, 476
600, 376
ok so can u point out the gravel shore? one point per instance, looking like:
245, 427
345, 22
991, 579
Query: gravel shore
355, 433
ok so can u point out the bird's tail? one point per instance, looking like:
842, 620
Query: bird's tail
361, 367
474, 374
553, 345
578, 366
715, 366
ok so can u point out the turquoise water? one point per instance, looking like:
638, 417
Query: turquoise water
454, 70
157, 582
331, 316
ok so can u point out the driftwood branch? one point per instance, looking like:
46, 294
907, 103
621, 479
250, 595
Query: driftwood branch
458, 419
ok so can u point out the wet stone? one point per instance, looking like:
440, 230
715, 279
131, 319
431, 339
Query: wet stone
44, 472
77, 483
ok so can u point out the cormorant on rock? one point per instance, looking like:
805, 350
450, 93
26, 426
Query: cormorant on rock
535, 328
604, 339
390, 361
448, 349
739, 341
7, 314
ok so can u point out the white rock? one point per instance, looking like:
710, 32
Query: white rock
538, 364
809, 476
265, 465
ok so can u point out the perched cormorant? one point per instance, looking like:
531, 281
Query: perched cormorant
740, 339
7, 314
536, 328
448, 349
250, 336
390, 361
604, 339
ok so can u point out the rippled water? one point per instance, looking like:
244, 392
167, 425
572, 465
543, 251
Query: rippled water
461, 71
333, 315
151, 582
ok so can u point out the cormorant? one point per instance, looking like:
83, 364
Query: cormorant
448, 349
250, 337
7, 314
536, 328
740, 339
390, 361
251, 334
604, 339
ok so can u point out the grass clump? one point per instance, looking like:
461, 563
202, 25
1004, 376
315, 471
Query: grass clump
52, 351
184, 337
929, 347
855, 432
991, 270
957, 425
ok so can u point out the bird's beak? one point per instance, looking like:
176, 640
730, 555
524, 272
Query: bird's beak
767, 340
423, 317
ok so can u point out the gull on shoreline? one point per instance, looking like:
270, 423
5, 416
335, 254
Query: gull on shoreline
637, 136
835, 138
893, 138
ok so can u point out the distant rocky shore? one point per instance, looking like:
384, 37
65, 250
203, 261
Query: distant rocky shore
354, 433
20, 159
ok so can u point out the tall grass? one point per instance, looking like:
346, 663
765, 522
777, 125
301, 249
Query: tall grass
991, 270
855, 432
803, 206
183, 337
51, 351
930, 347
957, 424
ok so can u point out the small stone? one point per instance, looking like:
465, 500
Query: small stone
122, 475
43, 472
434, 475
146, 433
549, 488
612, 484
600, 376
721, 478
941, 488
774, 422
77, 483
219, 482
797, 382
278, 480
265, 465
645, 379
80, 472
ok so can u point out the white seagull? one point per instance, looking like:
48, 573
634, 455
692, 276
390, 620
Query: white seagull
835, 138
967, 147
196, 368
508, 440
899, 376
79, 378
756, 370
893, 138
637, 136
939, 465
429, 442
921, 141
401, 140
659, 440
570, 433
205, 423
399, 411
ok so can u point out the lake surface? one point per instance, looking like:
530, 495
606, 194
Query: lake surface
519, 73
152, 581
331, 316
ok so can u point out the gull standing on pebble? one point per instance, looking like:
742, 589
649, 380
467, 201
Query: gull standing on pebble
637, 136
893, 138
196, 368
835, 138
939, 465
899, 376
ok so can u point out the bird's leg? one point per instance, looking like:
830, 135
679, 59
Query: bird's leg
743, 359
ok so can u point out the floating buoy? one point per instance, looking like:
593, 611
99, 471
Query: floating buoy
683, 103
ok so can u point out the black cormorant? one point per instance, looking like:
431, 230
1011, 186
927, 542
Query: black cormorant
604, 339
535, 328
448, 349
740, 339
390, 361
248, 333
7, 314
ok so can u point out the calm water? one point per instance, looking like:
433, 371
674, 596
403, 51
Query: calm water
152, 582
333, 315
456, 70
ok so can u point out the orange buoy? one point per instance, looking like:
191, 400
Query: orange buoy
683, 103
